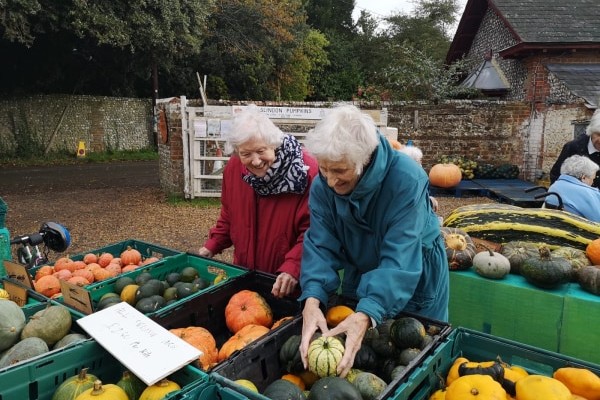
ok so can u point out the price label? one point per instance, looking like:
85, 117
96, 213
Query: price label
18, 273
76, 297
144, 347
16, 293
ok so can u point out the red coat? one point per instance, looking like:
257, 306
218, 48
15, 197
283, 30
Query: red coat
267, 232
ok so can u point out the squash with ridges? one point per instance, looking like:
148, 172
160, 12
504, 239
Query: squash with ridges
503, 223
74, 386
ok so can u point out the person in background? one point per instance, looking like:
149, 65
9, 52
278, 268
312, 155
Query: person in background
416, 154
587, 145
370, 217
574, 188
264, 200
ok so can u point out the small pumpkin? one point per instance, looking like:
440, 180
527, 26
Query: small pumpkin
589, 279
289, 355
445, 175
576, 257
592, 251
475, 387
366, 358
407, 332
50, 324
12, 322
132, 385
517, 252
324, 355
282, 389
159, 390
579, 381
130, 256
536, 387
247, 307
334, 388
460, 249
48, 285
337, 314
369, 385
241, 339
546, 271
103, 392
203, 340
490, 264
75, 385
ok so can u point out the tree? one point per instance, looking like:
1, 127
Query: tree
99, 47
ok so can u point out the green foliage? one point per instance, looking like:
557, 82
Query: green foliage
63, 157
28, 142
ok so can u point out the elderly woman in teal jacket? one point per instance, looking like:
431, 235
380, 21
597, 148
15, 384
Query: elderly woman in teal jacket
371, 217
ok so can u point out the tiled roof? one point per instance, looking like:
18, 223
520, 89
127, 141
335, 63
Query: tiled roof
552, 21
581, 79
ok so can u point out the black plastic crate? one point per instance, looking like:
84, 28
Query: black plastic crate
260, 362
208, 309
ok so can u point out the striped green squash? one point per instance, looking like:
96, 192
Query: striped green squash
502, 223
324, 355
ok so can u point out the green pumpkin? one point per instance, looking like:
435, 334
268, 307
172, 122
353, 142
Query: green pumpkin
407, 332
75, 385
12, 321
460, 248
369, 385
281, 389
546, 271
334, 388
289, 355
365, 358
132, 385
324, 355
576, 257
50, 324
517, 252
589, 279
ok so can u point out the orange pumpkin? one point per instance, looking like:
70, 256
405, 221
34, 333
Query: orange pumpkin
131, 256
79, 265
64, 263
63, 274
48, 285
114, 269
105, 259
247, 307
43, 271
90, 258
201, 339
592, 251
281, 321
149, 260
445, 175
78, 280
101, 274
129, 268
85, 273
295, 379
242, 338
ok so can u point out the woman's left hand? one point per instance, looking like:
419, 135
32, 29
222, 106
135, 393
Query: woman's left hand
284, 285
354, 327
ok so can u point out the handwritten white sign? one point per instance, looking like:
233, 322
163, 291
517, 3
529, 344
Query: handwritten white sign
147, 349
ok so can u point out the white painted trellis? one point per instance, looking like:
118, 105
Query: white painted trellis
203, 144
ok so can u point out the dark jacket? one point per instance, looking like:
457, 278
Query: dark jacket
576, 146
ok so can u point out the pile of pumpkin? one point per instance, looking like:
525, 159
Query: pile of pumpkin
21, 338
537, 263
385, 352
248, 317
499, 380
85, 386
92, 268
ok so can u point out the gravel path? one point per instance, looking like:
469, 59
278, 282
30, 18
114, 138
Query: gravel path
102, 204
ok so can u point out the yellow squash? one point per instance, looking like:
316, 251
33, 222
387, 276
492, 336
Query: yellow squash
580, 381
538, 387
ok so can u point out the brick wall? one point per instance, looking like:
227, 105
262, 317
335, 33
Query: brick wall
101, 122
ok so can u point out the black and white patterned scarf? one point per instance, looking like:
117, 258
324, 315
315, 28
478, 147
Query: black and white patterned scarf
287, 174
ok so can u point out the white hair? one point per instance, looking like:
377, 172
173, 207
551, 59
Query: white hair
594, 125
344, 133
413, 152
251, 124
579, 166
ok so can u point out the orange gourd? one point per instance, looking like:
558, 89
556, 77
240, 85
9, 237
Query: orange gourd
592, 251
101, 274
63, 274
131, 256
78, 280
43, 271
105, 259
242, 338
201, 339
295, 379
113, 269
90, 258
580, 381
48, 285
85, 273
247, 307
445, 175
78, 265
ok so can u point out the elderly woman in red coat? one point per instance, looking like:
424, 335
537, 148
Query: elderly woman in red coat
264, 200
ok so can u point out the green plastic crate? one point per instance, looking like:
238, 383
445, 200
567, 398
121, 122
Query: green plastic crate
5, 253
31, 300
207, 269
146, 249
29, 310
39, 379
3, 210
477, 346
580, 322
510, 308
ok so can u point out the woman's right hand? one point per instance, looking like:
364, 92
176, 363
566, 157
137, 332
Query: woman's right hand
204, 252
312, 320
